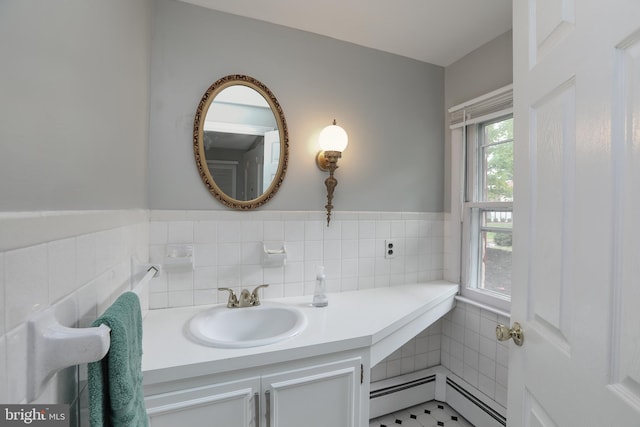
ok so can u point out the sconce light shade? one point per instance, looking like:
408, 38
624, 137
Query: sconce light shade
333, 138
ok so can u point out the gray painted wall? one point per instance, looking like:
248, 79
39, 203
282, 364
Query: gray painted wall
74, 91
485, 69
391, 107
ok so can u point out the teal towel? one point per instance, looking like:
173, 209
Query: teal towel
115, 383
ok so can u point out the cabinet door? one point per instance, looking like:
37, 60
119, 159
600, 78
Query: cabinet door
318, 396
231, 404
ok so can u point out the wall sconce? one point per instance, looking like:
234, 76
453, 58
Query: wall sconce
333, 140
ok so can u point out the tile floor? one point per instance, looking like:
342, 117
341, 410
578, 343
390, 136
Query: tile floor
428, 414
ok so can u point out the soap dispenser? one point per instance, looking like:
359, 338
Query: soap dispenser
320, 292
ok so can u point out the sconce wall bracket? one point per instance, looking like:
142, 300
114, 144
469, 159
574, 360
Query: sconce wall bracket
324, 159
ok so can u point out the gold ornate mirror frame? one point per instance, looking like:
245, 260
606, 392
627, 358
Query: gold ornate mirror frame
199, 149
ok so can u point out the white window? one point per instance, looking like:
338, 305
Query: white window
484, 134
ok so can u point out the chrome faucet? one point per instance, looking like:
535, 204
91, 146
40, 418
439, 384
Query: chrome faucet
247, 299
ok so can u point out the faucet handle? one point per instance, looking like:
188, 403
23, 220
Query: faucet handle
255, 298
233, 299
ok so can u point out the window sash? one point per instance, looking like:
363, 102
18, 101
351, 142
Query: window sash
473, 207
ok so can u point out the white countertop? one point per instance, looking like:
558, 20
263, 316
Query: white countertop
352, 320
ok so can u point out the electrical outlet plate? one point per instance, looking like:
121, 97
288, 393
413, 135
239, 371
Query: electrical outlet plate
389, 249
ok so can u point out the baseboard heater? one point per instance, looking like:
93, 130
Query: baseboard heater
485, 408
398, 393
399, 387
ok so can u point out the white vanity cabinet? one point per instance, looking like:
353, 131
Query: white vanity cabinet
323, 395
314, 392
206, 405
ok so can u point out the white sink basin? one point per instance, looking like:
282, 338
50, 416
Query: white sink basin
265, 324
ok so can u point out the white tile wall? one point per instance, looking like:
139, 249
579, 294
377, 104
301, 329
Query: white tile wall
228, 252
421, 352
91, 267
471, 351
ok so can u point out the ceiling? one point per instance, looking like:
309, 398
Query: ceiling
436, 31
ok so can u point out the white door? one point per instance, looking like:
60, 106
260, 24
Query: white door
577, 214
271, 157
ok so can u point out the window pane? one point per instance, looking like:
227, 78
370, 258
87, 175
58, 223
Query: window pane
497, 162
495, 265
500, 131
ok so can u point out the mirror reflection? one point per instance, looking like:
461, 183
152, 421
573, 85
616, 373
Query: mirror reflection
241, 145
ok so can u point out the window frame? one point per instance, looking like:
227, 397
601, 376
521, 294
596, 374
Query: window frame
472, 209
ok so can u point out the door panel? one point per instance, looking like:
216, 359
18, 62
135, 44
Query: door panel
625, 348
576, 207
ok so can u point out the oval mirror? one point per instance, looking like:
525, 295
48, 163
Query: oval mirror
241, 143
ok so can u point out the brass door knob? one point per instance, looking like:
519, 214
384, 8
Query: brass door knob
503, 333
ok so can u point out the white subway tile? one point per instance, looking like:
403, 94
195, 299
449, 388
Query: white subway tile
472, 340
180, 232
379, 372
295, 251
16, 342
456, 366
252, 231
407, 364
228, 276
180, 298
251, 253
333, 232
86, 258
205, 297
273, 291
472, 320
350, 230
349, 284
349, 249
502, 354
488, 347
4, 372
487, 367
26, 284
158, 233
294, 289
229, 254
274, 231
205, 278
433, 358
383, 229
273, 275
313, 250
501, 395
251, 275
62, 268
367, 248
367, 230
205, 232
332, 249
294, 272
394, 368
397, 229
471, 358
229, 232
294, 231
502, 374
487, 386
158, 300
470, 375
205, 254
